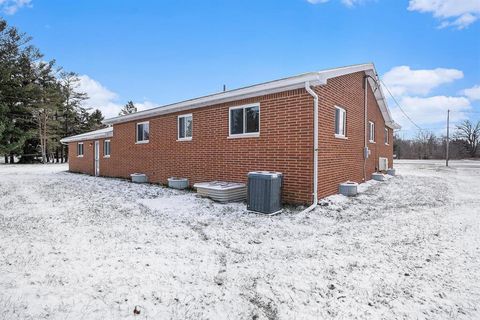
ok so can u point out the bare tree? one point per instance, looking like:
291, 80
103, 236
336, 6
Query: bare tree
469, 133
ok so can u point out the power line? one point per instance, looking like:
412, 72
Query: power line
466, 111
400, 107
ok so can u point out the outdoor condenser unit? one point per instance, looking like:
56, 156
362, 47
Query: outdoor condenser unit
264, 192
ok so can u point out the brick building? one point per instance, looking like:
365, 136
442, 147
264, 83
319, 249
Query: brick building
268, 126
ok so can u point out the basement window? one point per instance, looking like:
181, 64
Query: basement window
340, 123
244, 121
185, 123
143, 132
80, 149
106, 149
386, 136
371, 131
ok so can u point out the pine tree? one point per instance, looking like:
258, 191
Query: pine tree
38, 104
71, 108
17, 63
128, 109
95, 120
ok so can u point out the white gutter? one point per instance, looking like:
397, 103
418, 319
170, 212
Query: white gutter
291, 83
315, 148
92, 135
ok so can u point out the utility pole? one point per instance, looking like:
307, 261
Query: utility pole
448, 134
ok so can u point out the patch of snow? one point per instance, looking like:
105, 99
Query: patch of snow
74, 246
173, 203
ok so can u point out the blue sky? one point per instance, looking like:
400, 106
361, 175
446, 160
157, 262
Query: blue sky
158, 52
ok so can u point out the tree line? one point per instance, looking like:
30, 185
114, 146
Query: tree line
426, 145
39, 102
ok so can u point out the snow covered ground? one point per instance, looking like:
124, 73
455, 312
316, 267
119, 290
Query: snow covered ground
78, 247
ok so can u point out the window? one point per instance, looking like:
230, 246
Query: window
80, 149
106, 149
185, 123
371, 131
340, 122
386, 136
143, 132
245, 120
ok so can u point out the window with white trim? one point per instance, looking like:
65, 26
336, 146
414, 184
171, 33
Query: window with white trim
143, 132
371, 131
244, 120
340, 122
184, 125
80, 149
106, 148
386, 136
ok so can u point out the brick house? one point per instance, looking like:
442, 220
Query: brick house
268, 126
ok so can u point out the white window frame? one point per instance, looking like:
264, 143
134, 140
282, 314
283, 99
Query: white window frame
136, 132
185, 127
109, 148
244, 134
387, 138
343, 112
371, 131
83, 149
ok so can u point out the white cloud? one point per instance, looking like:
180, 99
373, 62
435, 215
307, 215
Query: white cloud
472, 93
404, 81
411, 89
145, 105
104, 99
99, 96
434, 109
10, 7
452, 13
430, 113
352, 3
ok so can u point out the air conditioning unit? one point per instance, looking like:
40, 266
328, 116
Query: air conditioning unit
264, 192
382, 164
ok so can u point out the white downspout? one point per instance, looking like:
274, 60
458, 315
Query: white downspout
365, 148
315, 148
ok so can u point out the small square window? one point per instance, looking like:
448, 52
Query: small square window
106, 148
185, 124
371, 131
143, 132
80, 149
340, 122
245, 120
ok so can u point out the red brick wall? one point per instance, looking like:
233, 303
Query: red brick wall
86, 163
81, 164
285, 143
342, 159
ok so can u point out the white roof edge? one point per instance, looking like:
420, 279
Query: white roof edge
232, 95
92, 135
290, 83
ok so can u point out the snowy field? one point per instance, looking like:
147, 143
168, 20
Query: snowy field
78, 247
